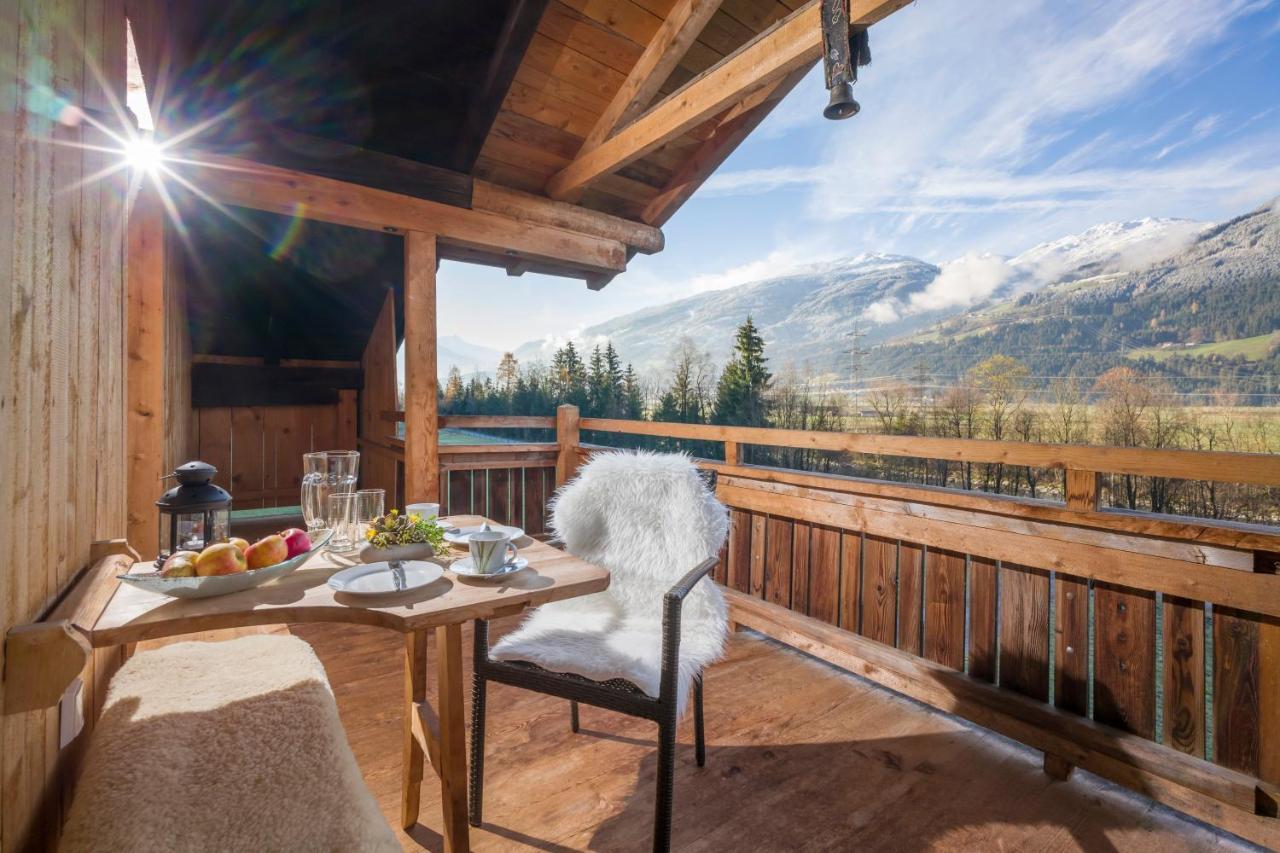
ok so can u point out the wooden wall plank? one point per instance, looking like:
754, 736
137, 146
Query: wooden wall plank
480, 492
1237, 692
850, 580
503, 505
879, 589
982, 618
1124, 692
1024, 630
758, 542
1184, 675
910, 590
944, 608
800, 567
1071, 644
248, 462
739, 555
777, 576
824, 573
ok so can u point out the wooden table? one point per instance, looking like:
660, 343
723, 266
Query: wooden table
133, 614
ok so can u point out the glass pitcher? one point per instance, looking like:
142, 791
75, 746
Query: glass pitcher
326, 472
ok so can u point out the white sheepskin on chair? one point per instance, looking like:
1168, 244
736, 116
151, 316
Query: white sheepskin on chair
649, 519
231, 746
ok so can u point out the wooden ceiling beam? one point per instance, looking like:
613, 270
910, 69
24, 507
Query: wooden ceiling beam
646, 239
788, 45
665, 50
229, 180
737, 124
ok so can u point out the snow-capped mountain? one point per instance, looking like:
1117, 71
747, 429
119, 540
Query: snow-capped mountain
1108, 248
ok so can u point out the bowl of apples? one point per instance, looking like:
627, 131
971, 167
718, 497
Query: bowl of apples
231, 566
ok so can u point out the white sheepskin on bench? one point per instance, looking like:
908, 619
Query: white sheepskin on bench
649, 519
223, 746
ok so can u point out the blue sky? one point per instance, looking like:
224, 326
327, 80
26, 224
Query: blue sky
985, 127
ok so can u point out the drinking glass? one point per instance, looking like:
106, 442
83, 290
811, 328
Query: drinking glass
342, 520
324, 473
370, 505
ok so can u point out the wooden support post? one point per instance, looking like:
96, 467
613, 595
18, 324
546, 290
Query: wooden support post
421, 416
144, 378
732, 453
1082, 490
452, 745
567, 437
415, 692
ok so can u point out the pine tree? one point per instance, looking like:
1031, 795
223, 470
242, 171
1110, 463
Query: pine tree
740, 396
599, 396
633, 400
568, 377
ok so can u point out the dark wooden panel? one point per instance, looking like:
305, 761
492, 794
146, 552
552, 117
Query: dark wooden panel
1184, 675
739, 559
758, 541
944, 608
910, 590
1124, 692
504, 505
480, 492
800, 567
537, 491
1071, 644
982, 618
460, 493
1236, 690
879, 589
824, 573
777, 567
850, 579
1024, 630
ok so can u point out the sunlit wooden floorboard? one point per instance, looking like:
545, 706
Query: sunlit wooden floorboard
800, 757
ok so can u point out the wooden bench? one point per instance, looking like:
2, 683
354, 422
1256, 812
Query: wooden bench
233, 745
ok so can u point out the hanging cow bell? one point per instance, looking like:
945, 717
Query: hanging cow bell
843, 51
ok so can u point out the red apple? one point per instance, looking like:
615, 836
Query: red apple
180, 564
242, 544
220, 559
267, 551
297, 540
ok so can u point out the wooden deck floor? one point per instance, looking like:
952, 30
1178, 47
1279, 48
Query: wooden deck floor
800, 757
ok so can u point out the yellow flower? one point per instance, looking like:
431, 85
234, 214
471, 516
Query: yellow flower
415, 518
395, 512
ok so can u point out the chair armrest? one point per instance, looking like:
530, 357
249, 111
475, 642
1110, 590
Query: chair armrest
672, 604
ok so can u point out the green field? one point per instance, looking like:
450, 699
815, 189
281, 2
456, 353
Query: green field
1251, 349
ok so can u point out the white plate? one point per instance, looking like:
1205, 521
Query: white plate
211, 585
381, 579
462, 535
466, 568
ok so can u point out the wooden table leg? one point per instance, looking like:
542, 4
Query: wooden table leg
415, 692
452, 744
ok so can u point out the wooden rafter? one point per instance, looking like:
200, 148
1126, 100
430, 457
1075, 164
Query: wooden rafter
665, 50
737, 125
788, 45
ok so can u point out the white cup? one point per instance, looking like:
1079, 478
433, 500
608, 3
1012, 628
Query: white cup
424, 510
490, 550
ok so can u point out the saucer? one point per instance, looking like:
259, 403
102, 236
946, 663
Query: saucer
466, 568
462, 535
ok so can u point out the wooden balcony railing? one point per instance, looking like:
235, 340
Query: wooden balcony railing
1144, 648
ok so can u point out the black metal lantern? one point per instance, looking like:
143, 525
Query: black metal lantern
194, 513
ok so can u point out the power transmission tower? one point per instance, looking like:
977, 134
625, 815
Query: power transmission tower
921, 381
856, 354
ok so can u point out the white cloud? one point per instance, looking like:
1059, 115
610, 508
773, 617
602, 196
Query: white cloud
882, 311
785, 260
963, 282
983, 114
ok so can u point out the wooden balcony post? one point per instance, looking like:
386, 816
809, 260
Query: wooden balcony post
1082, 490
567, 439
421, 415
732, 453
